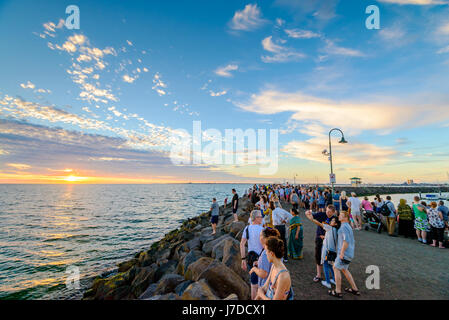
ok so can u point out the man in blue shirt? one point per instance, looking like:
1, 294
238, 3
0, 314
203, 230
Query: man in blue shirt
391, 219
321, 217
444, 211
345, 254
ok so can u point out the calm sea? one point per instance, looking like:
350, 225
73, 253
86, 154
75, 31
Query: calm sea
47, 228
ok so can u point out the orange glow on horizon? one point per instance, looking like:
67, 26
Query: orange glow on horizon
8, 178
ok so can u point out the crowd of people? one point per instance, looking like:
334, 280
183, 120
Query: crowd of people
274, 235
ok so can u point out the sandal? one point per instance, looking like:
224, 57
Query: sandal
335, 294
317, 279
354, 292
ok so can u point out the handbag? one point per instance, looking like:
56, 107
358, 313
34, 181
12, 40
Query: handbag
252, 255
332, 255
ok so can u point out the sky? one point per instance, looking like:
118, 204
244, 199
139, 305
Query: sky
104, 103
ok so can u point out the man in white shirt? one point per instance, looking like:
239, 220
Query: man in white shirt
280, 219
251, 234
355, 205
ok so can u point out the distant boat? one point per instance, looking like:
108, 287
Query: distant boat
433, 197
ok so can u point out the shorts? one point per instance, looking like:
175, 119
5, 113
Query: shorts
318, 247
253, 277
214, 219
422, 224
340, 264
234, 210
355, 213
321, 206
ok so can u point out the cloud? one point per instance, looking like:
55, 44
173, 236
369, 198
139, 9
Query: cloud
159, 84
318, 9
248, 19
280, 53
352, 153
226, 71
443, 50
217, 94
129, 79
392, 33
301, 34
19, 166
416, 2
28, 85
383, 115
444, 29
332, 48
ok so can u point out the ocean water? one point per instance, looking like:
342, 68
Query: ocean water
46, 229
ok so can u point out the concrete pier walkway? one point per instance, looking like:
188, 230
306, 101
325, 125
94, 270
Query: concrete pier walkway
408, 269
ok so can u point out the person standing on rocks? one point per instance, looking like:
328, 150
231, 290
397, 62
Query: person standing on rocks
345, 254
235, 204
251, 235
214, 215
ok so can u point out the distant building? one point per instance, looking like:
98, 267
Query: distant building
410, 181
356, 182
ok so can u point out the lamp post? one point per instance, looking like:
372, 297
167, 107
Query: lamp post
330, 152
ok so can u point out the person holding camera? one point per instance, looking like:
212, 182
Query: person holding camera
345, 253
251, 235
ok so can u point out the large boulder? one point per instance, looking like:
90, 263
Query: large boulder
242, 215
195, 269
199, 291
168, 296
166, 267
217, 250
168, 283
179, 290
194, 244
146, 258
190, 258
116, 287
225, 281
232, 258
120, 293
142, 279
125, 266
149, 292
208, 246
235, 227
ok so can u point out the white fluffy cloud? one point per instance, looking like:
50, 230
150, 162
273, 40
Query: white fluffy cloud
250, 18
352, 115
301, 34
279, 53
226, 71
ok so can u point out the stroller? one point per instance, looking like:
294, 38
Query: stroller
373, 220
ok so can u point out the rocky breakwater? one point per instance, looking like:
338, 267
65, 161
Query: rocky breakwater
187, 264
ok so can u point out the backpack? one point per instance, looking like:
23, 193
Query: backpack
385, 210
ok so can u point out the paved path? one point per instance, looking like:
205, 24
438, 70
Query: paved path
408, 269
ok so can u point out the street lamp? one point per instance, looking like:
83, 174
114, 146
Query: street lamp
343, 140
